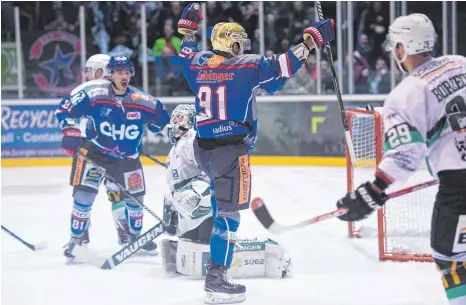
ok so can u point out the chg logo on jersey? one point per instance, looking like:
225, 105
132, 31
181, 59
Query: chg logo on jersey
121, 132
133, 115
134, 181
57, 65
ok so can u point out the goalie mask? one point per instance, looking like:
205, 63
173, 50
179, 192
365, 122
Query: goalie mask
225, 35
415, 32
182, 120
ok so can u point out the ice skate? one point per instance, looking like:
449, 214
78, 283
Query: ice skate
221, 290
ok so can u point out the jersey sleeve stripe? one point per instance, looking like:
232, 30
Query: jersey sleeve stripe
284, 65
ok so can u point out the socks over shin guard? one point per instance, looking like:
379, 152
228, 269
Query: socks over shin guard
222, 240
134, 215
79, 219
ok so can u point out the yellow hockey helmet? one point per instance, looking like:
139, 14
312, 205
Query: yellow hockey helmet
225, 34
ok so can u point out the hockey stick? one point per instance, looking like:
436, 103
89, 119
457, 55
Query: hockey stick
349, 142
119, 257
122, 189
40, 246
263, 215
156, 160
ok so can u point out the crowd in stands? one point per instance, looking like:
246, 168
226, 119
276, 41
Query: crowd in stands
114, 27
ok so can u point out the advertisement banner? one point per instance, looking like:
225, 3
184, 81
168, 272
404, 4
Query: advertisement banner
30, 131
311, 129
9, 67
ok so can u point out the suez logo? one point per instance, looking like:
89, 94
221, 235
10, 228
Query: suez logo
254, 261
130, 132
222, 128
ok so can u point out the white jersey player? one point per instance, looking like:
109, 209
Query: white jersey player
425, 115
188, 213
95, 73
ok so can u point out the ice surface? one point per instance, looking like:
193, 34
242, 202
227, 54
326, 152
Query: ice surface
329, 269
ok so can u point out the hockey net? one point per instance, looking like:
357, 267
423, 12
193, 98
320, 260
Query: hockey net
402, 227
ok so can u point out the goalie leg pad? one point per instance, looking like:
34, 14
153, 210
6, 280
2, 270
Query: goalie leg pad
169, 251
255, 258
81, 212
223, 238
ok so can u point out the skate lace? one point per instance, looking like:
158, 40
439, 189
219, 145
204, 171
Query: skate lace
228, 280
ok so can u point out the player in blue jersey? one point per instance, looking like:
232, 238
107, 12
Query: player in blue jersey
225, 82
116, 116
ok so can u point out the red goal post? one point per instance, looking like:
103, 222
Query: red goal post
402, 227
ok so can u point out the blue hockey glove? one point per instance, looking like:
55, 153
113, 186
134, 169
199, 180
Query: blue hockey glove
72, 137
321, 32
362, 202
190, 18
250, 141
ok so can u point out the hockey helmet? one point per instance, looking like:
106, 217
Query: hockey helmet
120, 63
415, 32
96, 65
225, 35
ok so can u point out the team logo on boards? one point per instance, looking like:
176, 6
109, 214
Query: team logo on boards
57, 67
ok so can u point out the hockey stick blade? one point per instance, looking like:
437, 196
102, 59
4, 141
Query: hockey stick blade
34, 247
265, 218
84, 254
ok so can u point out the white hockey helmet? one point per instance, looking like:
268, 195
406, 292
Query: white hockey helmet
96, 66
181, 120
415, 32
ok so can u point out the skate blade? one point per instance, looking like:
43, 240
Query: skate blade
224, 298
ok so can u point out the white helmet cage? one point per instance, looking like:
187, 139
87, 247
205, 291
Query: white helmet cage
95, 63
182, 119
415, 32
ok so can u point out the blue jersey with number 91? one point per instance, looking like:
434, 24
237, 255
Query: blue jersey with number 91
225, 88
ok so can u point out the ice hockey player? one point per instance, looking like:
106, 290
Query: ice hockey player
188, 214
225, 82
425, 115
96, 73
117, 115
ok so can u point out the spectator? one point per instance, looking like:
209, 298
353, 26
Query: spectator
326, 77
60, 24
169, 40
250, 19
270, 32
300, 83
215, 14
380, 78
365, 48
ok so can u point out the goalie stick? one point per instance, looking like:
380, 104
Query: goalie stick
40, 246
84, 254
263, 215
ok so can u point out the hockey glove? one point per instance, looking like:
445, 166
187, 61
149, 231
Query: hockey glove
362, 202
72, 137
321, 32
190, 18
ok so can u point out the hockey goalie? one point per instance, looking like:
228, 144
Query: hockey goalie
189, 207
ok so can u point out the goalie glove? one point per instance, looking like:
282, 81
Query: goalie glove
190, 18
321, 32
362, 202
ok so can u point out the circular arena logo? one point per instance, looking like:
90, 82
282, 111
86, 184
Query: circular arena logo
57, 55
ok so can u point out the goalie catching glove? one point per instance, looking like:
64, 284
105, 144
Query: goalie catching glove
360, 203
